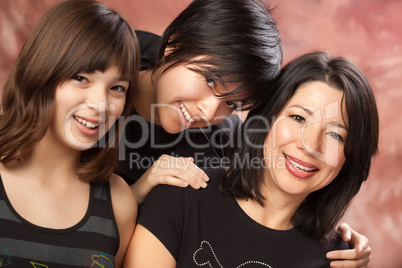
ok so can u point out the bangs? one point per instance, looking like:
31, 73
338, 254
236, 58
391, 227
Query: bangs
93, 50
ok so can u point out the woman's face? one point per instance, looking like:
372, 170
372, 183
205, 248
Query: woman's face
305, 147
86, 106
186, 99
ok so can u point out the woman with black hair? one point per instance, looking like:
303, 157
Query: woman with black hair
304, 154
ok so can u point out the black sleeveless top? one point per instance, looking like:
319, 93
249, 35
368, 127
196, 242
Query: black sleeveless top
93, 242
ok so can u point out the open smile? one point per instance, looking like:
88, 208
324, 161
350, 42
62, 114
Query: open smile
186, 113
86, 123
298, 168
302, 166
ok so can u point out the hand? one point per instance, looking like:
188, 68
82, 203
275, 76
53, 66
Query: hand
359, 256
175, 171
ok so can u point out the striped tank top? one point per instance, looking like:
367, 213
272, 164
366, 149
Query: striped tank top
93, 242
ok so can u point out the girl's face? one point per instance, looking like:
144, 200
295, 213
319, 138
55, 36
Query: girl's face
186, 99
305, 147
86, 106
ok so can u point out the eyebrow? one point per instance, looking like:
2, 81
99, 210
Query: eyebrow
338, 125
310, 112
307, 110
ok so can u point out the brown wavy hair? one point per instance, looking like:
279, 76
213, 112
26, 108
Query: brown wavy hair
74, 36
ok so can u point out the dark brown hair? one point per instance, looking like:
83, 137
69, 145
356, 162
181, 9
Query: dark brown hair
75, 36
322, 209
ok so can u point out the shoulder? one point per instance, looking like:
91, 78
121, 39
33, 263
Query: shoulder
123, 200
145, 37
178, 193
179, 202
149, 44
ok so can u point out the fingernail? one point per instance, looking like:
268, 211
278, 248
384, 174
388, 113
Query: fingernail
206, 178
197, 185
204, 184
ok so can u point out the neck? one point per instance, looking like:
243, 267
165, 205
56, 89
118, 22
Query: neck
276, 213
146, 97
48, 161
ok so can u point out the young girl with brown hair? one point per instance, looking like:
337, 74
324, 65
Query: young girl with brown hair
60, 203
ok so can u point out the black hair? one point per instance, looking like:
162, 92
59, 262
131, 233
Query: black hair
322, 209
237, 39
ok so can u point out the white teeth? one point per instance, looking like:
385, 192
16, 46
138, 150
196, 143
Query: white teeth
86, 123
298, 166
186, 114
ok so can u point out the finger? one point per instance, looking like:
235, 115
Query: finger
346, 264
199, 173
180, 168
163, 176
345, 230
194, 179
188, 166
356, 240
346, 254
351, 254
169, 180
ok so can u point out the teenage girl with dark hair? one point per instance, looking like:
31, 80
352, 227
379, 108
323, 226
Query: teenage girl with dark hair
214, 58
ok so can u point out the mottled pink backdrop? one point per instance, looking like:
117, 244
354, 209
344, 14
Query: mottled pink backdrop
367, 31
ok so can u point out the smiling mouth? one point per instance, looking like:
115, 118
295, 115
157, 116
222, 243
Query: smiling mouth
299, 166
86, 123
186, 114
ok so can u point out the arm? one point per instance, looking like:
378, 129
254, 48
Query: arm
146, 251
125, 212
359, 256
175, 171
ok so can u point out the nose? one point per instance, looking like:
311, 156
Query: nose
97, 98
312, 139
213, 109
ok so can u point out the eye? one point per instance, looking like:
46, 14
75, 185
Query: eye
336, 136
119, 89
231, 105
210, 82
80, 79
298, 118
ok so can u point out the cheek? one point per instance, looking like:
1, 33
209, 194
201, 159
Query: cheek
116, 108
334, 154
174, 83
281, 134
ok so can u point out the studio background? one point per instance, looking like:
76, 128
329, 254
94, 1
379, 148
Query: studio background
367, 31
